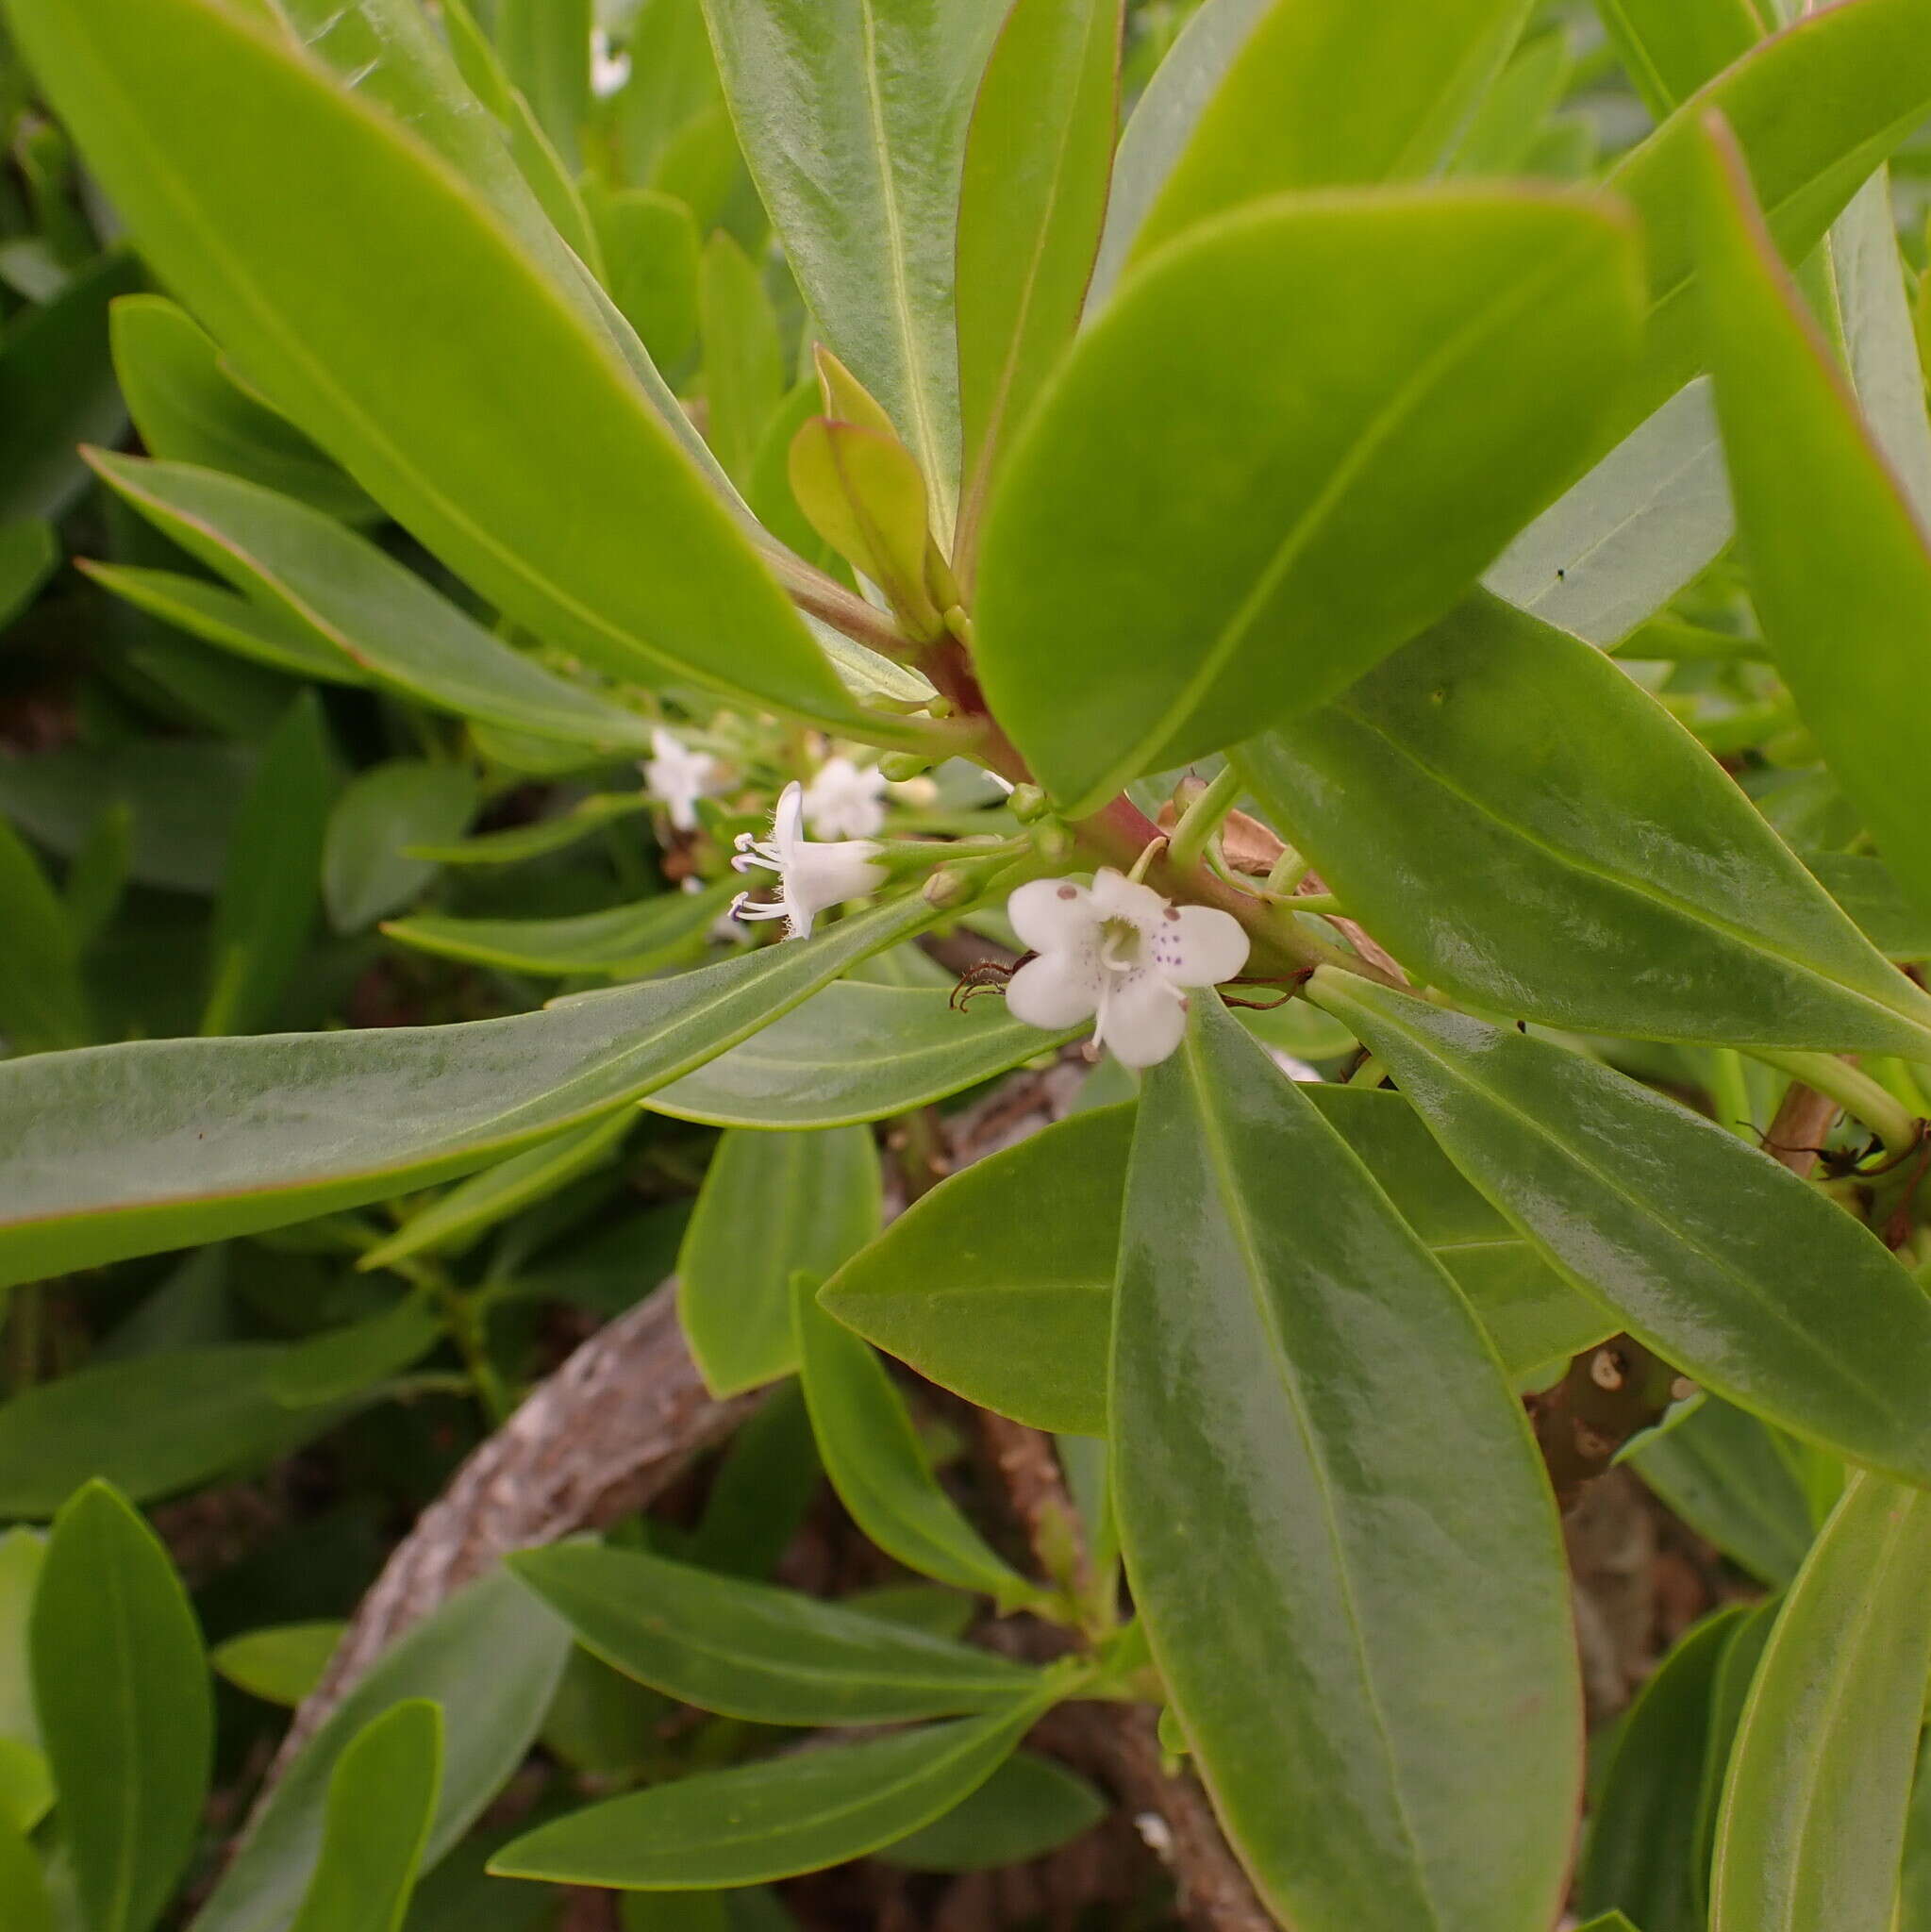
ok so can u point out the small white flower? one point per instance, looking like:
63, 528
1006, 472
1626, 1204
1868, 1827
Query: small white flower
843, 802
608, 69
677, 776
811, 878
1120, 955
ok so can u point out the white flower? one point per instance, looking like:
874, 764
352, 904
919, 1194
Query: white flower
1120, 955
608, 69
843, 802
811, 878
677, 776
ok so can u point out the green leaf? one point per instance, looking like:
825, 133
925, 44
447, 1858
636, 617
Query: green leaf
280, 1665
855, 1053
1442, 336
491, 1633
306, 567
121, 1690
26, 1786
771, 1657
1643, 1842
1513, 119
1735, 1673
650, 243
1324, 94
743, 357
1609, 877
1610, 1921
770, 1204
24, 1896
545, 50
342, 1362
873, 1457
356, 280
765, 1484
621, 941
115, 1151
188, 410
22, 1553
42, 1002
1305, 1421
1038, 159
1029, 1807
29, 555
1670, 48
1840, 565
1813, 1819
864, 190
1721, 1471
267, 902
57, 389
1880, 339
1865, 890
365, 868
861, 492
776, 1817
1713, 1255
515, 843
999, 1283
381, 1802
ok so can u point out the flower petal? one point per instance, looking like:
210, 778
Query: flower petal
1143, 1021
787, 821
1199, 946
1116, 897
1052, 916
1053, 991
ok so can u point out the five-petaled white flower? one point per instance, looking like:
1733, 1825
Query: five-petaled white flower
843, 802
1120, 955
811, 878
608, 69
677, 776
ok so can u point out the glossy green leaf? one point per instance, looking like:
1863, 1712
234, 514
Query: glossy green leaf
1840, 565
306, 567
864, 192
743, 357
765, 1484
515, 843
491, 1633
1609, 875
857, 1051
770, 1204
23, 1895
1324, 94
1442, 336
272, 883
650, 243
623, 940
873, 1455
189, 411
57, 391
999, 1283
569, 502
545, 50
115, 1151
773, 1657
121, 1690
1709, 1252
42, 1002
381, 1802
775, 1818
1306, 1418
1029, 1807
1038, 159
1721, 1471
1736, 1673
1865, 890
1813, 1818
1511, 121
1643, 1842
1670, 48
280, 1665
365, 868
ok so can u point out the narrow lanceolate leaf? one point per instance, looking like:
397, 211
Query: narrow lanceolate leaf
1305, 1420
775, 1818
42, 1002
306, 567
1712, 1254
771, 1657
127, 1719
1607, 874
365, 868
1643, 1844
1669, 48
770, 1204
124, 1150
1327, 94
624, 941
1034, 195
1812, 1826
381, 1801
379, 302
864, 189
1442, 336
1840, 564
491, 1632
855, 1053
743, 357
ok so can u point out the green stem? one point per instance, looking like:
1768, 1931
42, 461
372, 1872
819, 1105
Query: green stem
1287, 872
1202, 817
1729, 1092
1858, 1093
1326, 904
